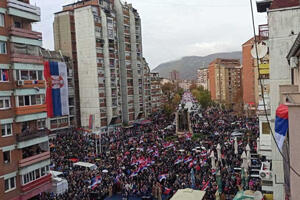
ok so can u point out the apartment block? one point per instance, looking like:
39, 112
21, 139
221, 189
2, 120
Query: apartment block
202, 78
283, 20
147, 88
61, 123
225, 76
24, 149
156, 92
103, 38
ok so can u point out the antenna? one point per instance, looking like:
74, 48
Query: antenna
262, 50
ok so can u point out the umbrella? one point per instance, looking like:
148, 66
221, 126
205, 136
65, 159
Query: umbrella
181, 150
105, 171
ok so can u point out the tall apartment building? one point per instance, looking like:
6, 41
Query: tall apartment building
24, 149
147, 88
283, 22
156, 92
174, 75
202, 78
61, 123
225, 78
104, 37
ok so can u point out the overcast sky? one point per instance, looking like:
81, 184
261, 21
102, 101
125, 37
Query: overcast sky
176, 28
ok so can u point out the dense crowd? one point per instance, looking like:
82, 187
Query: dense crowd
147, 161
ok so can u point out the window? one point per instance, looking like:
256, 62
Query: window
3, 75
10, 184
29, 75
31, 100
5, 103
41, 124
2, 20
6, 157
18, 24
34, 175
2, 47
6, 130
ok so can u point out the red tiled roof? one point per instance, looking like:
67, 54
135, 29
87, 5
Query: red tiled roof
284, 3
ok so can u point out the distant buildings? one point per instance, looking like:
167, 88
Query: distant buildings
202, 78
225, 81
185, 84
174, 75
24, 147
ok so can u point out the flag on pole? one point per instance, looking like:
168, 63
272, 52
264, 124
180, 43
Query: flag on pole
281, 124
57, 99
95, 181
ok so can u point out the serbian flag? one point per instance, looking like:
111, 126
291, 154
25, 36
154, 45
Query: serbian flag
162, 177
95, 181
281, 124
205, 186
167, 191
57, 99
5, 75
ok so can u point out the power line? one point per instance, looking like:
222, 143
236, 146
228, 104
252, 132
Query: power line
263, 96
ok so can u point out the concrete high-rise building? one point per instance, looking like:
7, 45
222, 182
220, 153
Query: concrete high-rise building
24, 148
225, 76
283, 20
104, 40
202, 78
156, 92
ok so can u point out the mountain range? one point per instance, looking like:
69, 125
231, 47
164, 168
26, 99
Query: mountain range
188, 66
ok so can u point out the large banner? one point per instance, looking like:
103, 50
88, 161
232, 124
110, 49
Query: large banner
57, 99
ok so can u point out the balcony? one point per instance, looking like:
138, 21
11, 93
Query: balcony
263, 31
24, 10
29, 135
25, 33
40, 185
34, 159
30, 84
27, 110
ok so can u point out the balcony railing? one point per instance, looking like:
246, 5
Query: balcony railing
25, 110
19, 7
34, 159
25, 33
28, 135
263, 31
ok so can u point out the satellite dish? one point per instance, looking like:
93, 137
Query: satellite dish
262, 50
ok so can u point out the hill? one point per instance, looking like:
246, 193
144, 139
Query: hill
187, 66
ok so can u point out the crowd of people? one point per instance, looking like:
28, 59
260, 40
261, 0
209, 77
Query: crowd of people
149, 162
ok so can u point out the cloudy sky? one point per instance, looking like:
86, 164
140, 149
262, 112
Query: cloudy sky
176, 28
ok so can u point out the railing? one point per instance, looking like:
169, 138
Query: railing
25, 110
34, 159
263, 31
24, 7
28, 135
25, 33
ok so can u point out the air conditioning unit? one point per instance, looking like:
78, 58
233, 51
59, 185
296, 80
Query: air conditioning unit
265, 173
20, 82
294, 61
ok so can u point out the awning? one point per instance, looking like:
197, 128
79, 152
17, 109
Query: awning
188, 194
